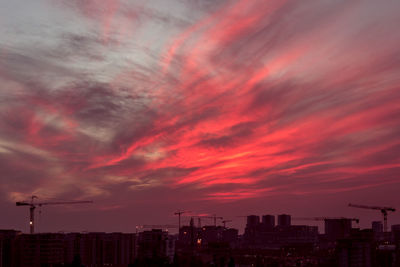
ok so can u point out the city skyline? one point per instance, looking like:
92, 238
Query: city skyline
227, 107
265, 242
184, 218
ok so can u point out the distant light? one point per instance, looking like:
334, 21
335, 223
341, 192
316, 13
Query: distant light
184, 233
199, 241
30, 222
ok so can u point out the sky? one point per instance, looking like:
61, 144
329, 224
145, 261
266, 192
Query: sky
226, 107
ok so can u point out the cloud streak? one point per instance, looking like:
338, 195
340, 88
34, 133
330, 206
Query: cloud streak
241, 100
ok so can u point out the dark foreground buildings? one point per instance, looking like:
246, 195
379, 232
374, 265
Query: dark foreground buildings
265, 242
72, 249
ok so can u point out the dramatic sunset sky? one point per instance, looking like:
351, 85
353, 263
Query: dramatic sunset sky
227, 107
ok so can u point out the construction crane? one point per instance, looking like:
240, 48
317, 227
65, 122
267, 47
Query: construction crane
214, 217
198, 219
324, 219
225, 221
384, 211
32, 206
179, 213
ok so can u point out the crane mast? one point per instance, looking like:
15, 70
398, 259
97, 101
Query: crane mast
214, 217
225, 221
32, 206
179, 213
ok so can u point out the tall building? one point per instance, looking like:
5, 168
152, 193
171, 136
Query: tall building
58, 249
153, 244
337, 228
230, 235
101, 248
7, 254
396, 234
268, 221
188, 234
356, 250
377, 227
253, 221
284, 220
45, 249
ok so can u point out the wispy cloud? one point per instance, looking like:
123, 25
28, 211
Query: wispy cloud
235, 100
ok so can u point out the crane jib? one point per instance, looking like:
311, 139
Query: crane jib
33, 206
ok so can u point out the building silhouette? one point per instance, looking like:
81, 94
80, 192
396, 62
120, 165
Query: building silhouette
337, 228
284, 220
268, 221
262, 244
